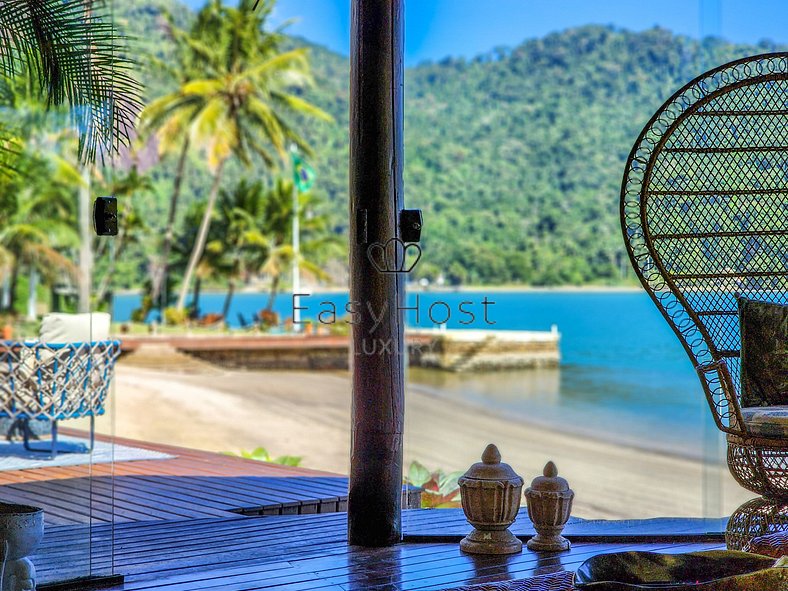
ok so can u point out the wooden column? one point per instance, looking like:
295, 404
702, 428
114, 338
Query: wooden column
376, 87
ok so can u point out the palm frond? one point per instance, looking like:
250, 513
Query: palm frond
49, 261
7, 259
10, 150
202, 87
295, 59
299, 105
73, 51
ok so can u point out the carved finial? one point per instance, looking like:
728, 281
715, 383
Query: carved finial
550, 470
491, 455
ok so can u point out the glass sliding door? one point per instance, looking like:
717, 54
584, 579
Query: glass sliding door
58, 349
228, 276
47, 355
531, 329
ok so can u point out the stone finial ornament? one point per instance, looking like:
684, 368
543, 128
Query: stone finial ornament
490, 492
21, 530
549, 500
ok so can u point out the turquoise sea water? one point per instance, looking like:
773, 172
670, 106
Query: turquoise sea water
623, 374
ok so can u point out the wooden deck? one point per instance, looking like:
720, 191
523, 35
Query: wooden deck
204, 521
310, 552
192, 485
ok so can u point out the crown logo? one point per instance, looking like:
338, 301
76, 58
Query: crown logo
392, 256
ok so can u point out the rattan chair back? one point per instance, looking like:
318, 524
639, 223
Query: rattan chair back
704, 210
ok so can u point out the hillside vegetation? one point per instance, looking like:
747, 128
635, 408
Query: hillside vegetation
515, 156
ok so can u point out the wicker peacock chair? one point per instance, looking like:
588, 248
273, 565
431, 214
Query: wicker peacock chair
704, 210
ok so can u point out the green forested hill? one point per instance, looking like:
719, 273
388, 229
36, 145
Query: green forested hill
516, 156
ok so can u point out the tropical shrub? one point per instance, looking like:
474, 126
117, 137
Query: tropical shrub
439, 490
174, 316
261, 455
141, 313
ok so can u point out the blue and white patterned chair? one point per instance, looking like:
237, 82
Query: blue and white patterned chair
55, 381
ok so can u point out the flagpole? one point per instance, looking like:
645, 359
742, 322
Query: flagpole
296, 251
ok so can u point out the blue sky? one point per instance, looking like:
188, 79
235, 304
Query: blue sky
437, 28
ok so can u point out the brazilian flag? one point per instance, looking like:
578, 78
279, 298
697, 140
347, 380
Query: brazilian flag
303, 174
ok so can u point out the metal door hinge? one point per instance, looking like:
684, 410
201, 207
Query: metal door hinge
105, 216
410, 223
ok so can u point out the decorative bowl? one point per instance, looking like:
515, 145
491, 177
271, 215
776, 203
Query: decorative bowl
22, 527
718, 570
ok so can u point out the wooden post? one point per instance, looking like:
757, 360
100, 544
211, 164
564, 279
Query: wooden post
377, 346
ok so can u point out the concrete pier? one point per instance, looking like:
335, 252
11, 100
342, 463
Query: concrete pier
486, 350
450, 350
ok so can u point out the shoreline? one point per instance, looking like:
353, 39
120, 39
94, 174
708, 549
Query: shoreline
415, 288
584, 433
308, 414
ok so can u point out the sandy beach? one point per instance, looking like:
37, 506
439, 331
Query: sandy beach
308, 414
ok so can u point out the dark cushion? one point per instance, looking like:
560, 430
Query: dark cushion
764, 353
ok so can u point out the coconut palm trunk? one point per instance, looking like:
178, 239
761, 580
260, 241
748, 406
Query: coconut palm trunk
32, 290
195, 313
161, 283
6, 297
103, 292
228, 300
202, 236
85, 280
272, 293
13, 285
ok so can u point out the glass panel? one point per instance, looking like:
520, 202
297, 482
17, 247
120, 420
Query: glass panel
519, 119
112, 213
46, 460
44, 463
57, 355
715, 473
222, 356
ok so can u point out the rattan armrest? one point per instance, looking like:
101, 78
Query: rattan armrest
721, 396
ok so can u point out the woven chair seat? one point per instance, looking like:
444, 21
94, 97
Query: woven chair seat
766, 421
48, 381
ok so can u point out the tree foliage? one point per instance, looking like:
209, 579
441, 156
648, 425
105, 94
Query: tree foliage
516, 156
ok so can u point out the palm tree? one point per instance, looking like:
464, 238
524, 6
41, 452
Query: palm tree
43, 134
214, 262
38, 223
257, 237
40, 191
60, 54
73, 54
242, 218
238, 108
172, 134
267, 216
